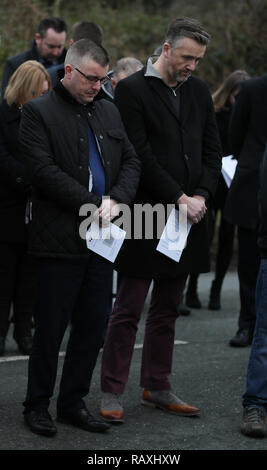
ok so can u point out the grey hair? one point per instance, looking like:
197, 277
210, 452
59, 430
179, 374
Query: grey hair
84, 48
186, 27
127, 66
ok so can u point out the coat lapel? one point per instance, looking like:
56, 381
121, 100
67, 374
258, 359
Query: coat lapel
185, 99
158, 87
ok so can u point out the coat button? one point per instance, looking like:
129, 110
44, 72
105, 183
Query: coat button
186, 156
80, 167
18, 179
78, 115
81, 139
101, 137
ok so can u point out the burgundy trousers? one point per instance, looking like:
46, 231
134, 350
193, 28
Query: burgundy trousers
159, 333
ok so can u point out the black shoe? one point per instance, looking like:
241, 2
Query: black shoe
84, 420
243, 337
214, 301
2, 345
192, 300
183, 310
254, 422
40, 422
25, 344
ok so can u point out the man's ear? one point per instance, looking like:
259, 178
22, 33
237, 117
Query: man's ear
37, 38
166, 49
68, 70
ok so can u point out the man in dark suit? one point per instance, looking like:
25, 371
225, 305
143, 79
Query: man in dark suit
248, 134
47, 48
169, 117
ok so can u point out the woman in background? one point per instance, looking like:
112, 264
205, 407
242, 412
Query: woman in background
29, 81
223, 100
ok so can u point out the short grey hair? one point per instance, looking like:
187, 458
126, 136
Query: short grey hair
127, 66
84, 48
189, 28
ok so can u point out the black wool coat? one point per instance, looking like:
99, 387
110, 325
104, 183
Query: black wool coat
14, 187
55, 142
248, 135
179, 154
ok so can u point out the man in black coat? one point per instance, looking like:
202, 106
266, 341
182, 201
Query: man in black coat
47, 48
248, 134
75, 152
169, 117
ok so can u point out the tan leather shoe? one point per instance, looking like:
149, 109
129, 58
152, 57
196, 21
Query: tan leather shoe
168, 401
111, 408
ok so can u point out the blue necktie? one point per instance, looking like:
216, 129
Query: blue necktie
96, 166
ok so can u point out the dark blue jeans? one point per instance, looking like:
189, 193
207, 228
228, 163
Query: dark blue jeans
256, 389
68, 292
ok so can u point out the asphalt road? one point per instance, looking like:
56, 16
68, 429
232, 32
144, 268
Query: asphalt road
207, 373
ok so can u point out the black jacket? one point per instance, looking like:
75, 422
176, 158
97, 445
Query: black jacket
14, 187
248, 135
223, 119
179, 153
54, 136
14, 62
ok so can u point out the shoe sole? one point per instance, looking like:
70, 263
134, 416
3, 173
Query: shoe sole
254, 433
238, 345
42, 433
113, 420
72, 423
163, 408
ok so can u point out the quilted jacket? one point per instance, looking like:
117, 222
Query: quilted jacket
55, 144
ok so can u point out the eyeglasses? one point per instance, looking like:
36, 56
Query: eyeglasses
92, 79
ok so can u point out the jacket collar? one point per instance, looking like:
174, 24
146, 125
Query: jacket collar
67, 96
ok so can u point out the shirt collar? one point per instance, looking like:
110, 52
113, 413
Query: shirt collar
151, 71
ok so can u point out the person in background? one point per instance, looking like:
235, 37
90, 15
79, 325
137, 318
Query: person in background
247, 136
47, 48
28, 82
125, 67
223, 100
80, 30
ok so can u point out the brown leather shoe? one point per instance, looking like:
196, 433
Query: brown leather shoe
111, 408
168, 401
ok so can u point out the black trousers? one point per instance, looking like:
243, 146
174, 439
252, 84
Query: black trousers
16, 287
225, 250
248, 267
73, 293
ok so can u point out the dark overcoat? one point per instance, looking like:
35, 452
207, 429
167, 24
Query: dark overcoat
248, 135
14, 187
179, 154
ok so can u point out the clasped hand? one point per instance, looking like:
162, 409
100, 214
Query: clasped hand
196, 207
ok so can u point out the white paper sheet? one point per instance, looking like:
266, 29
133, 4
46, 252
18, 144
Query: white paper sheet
105, 241
228, 169
174, 236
